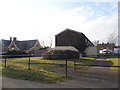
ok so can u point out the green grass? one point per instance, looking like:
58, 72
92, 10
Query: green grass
115, 62
84, 61
39, 72
20, 71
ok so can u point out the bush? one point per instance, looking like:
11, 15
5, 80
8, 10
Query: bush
60, 54
14, 54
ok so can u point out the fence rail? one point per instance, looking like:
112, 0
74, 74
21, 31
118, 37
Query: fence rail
29, 61
98, 65
93, 66
65, 64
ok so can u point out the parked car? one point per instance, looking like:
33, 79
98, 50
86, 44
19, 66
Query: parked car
107, 52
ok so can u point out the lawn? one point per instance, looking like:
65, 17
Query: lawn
115, 62
39, 72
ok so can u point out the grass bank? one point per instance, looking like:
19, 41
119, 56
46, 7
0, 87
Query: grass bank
20, 71
115, 62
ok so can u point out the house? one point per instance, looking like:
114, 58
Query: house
117, 50
27, 46
106, 48
69, 37
0, 47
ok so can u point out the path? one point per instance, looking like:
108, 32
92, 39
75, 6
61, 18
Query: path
98, 70
101, 62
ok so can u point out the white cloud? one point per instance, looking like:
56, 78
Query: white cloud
102, 27
114, 5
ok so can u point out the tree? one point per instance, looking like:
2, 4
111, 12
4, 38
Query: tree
43, 43
112, 38
47, 42
95, 42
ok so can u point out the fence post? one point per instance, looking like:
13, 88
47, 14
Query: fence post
29, 64
5, 61
66, 68
74, 64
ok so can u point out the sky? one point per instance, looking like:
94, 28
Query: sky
43, 19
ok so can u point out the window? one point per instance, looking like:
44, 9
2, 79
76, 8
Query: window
13, 47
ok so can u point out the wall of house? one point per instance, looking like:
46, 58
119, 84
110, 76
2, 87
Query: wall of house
13, 47
1, 49
92, 52
67, 39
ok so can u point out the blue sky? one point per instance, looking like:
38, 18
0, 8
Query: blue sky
36, 19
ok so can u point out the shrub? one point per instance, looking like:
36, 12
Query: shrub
60, 54
15, 54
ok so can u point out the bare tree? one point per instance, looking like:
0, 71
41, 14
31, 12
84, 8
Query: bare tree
43, 43
47, 42
95, 42
50, 42
118, 39
112, 38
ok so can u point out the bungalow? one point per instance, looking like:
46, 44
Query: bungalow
24, 46
106, 48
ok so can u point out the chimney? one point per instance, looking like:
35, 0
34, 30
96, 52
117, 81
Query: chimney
14, 38
10, 38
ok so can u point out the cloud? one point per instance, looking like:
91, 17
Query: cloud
95, 29
27, 21
114, 5
102, 27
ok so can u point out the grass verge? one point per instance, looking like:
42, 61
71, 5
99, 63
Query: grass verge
20, 71
115, 62
39, 72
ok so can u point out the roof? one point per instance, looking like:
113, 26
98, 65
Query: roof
6, 43
74, 32
25, 45
117, 47
22, 45
64, 48
67, 29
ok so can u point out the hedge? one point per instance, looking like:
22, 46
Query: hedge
60, 54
